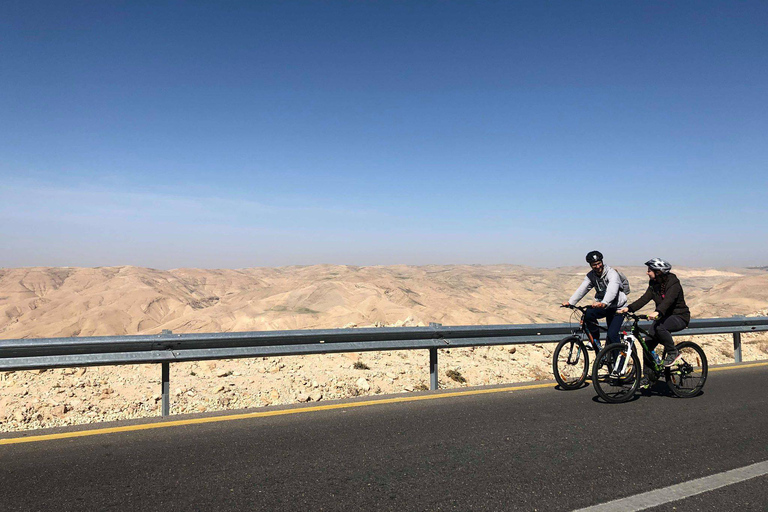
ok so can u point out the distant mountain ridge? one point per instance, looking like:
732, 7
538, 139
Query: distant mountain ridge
51, 301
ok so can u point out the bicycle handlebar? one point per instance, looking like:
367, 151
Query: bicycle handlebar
583, 309
580, 308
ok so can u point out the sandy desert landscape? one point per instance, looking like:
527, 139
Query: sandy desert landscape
63, 302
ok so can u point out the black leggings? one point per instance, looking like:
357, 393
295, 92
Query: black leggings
661, 329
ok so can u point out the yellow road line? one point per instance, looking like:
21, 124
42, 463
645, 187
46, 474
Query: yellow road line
753, 365
300, 410
263, 414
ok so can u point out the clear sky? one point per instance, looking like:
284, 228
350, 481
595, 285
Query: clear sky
238, 134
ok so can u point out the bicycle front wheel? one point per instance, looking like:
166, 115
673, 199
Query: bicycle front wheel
688, 376
570, 363
616, 374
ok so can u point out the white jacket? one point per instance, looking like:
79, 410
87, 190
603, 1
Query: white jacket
607, 288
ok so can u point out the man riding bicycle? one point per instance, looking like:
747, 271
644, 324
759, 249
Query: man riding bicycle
609, 297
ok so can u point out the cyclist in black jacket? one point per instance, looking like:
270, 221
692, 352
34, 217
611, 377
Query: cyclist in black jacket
671, 315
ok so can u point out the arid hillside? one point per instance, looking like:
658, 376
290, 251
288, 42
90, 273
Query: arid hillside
53, 302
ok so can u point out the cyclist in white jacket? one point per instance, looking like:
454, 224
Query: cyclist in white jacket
609, 297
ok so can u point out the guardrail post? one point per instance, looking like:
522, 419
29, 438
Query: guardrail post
737, 346
433, 385
165, 408
433, 368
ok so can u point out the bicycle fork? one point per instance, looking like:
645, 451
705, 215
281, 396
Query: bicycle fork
574, 353
625, 356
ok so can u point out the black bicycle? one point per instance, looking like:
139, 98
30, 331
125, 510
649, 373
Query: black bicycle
570, 361
616, 372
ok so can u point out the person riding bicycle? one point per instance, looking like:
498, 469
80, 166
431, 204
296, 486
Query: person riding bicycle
609, 298
671, 315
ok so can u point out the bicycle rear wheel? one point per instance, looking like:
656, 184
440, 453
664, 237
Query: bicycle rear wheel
570, 363
615, 374
688, 376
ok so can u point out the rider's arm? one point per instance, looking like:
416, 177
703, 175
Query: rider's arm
670, 297
579, 294
642, 301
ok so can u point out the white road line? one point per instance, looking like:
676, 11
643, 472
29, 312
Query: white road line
680, 491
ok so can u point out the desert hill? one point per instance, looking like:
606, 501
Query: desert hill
52, 302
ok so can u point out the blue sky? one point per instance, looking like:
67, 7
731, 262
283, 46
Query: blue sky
239, 134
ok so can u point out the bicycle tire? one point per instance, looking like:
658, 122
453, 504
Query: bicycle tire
686, 379
570, 371
611, 387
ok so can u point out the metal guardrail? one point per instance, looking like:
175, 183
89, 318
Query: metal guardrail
165, 348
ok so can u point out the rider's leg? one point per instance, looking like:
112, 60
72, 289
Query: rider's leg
663, 329
590, 318
614, 322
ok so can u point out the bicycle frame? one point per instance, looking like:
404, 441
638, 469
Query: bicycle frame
583, 332
636, 333
628, 339
616, 372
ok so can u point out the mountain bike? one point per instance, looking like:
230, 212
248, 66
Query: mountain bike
616, 372
570, 360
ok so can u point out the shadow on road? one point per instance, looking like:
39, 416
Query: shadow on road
584, 385
598, 400
659, 389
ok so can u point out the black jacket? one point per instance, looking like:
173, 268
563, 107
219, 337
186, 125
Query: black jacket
668, 297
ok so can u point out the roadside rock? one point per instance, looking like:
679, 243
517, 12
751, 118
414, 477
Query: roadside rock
363, 384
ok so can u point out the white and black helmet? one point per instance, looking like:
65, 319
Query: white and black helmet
659, 265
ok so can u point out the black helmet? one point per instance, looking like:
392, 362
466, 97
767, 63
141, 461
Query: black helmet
594, 256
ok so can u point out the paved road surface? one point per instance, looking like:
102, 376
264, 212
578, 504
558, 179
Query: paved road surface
531, 449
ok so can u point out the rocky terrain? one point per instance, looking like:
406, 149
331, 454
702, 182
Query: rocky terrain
53, 302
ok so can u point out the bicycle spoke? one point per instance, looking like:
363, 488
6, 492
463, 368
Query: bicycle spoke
570, 364
687, 378
616, 373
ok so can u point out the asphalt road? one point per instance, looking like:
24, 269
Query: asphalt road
535, 449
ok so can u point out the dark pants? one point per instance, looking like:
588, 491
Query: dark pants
613, 321
660, 333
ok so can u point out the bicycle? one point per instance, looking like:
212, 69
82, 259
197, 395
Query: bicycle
616, 372
570, 360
